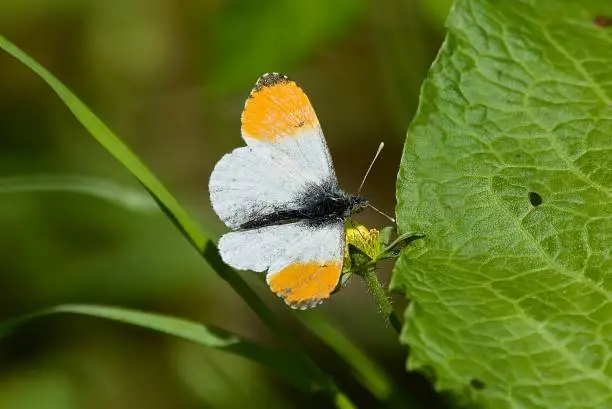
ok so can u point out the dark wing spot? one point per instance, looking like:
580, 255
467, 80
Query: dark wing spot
535, 199
269, 79
477, 384
299, 124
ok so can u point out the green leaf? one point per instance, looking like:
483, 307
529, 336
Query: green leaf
208, 336
511, 300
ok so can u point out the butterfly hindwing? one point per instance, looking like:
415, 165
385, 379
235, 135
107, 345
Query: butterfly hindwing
304, 261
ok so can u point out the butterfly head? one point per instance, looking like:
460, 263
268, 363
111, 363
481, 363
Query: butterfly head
356, 204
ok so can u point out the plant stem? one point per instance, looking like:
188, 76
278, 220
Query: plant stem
375, 288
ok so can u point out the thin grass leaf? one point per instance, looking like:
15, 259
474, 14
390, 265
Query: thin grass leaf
123, 196
114, 146
366, 371
208, 336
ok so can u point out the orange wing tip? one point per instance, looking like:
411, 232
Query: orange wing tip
306, 285
277, 108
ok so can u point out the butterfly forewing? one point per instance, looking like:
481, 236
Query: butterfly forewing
278, 114
252, 182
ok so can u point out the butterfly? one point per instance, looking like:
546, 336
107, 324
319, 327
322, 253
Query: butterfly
280, 196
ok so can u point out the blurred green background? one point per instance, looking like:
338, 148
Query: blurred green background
170, 78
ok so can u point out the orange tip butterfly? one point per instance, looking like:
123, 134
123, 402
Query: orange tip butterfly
280, 196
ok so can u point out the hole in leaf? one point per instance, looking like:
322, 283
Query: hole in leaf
535, 199
477, 384
602, 21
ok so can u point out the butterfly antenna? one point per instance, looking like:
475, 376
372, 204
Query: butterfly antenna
380, 148
382, 213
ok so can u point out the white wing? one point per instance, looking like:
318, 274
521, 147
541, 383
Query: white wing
304, 262
252, 182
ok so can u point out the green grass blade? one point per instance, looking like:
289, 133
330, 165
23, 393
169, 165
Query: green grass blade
366, 371
113, 144
207, 336
342, 402
108, 190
